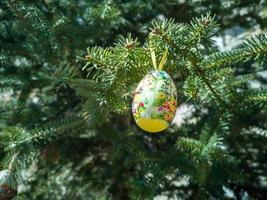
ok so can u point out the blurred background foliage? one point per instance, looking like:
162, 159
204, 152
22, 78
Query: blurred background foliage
69, 159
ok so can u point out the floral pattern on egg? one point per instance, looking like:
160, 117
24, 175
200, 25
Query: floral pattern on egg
155, 97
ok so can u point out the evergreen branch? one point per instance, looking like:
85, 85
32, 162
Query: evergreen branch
10, 81
189, 144
256, 95
194, 62
198, 32
213, 147
82, 86
207, 148
64, 75
253, 47
99, 58
239, 80
198, 26
67, 72
201, 30
200, 73
114, 69
96, 54
19, 138
24, 17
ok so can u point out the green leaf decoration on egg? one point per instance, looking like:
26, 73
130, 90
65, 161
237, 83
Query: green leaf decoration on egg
155, 102
8, 185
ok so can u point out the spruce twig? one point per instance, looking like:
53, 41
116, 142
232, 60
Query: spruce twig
193, 61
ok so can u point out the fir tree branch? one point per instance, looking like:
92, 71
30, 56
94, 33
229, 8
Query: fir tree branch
193, 60
200, 73
256, 95
253, 47
201, 30
19, 138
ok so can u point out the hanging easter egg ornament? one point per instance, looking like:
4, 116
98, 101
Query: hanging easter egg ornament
155, 100
8, 185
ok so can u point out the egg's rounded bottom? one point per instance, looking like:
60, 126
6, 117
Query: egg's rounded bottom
152, 125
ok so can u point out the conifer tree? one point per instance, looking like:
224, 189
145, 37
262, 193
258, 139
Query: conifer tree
67, 130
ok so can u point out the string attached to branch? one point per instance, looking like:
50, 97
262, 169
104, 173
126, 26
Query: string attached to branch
153, 57
12, 161
162, 61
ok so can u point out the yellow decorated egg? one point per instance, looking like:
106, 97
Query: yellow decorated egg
155, 101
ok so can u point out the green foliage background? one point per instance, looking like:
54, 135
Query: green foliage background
68, 69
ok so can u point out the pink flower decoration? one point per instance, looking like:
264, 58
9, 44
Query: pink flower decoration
160, 108
166, 108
